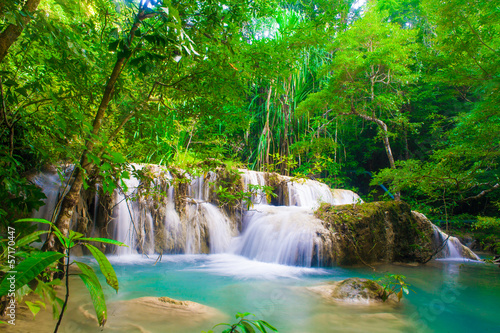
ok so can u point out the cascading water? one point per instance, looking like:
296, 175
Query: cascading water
180, 215
450, 247
279, 234
127, 217
256, 178
50, 183
150, 224
288, 234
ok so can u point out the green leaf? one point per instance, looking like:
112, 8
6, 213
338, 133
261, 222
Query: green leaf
268, 325
242, 315
86, 269
34, 308
93, 158
104, 240
106, 267
248, 327
28, 269
113, 45
34, 236
58, 233
260, 326
243, 328
73, 235
95, 289
22, 91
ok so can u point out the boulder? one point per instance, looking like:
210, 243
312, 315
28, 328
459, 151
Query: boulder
373, 232
353, 291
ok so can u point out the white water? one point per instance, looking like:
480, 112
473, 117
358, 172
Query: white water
288, 235
281, 235
126, 217
251, 177
452, 249
274, 234
204, 219
50, 183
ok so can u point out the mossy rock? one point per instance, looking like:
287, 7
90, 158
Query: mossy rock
356, 291
374, 232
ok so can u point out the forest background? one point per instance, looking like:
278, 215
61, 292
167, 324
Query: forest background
397, 93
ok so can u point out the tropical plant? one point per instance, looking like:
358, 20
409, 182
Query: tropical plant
394, 284
35, 265
245, 325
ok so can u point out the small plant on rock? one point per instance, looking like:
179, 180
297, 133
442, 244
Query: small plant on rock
394, 284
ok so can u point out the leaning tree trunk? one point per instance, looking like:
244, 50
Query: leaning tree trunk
13, 31
71, 198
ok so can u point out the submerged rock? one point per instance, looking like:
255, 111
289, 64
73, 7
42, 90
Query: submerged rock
353, 291
153, 314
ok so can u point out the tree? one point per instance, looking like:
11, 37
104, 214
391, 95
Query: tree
369, 75
159, 37
462, 167
13, 30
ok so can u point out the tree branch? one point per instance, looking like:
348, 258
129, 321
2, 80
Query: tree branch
483, 193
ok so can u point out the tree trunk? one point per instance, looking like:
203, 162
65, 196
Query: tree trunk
71, 198
387, 144
12, 32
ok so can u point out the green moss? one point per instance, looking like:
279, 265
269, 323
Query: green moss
377, 231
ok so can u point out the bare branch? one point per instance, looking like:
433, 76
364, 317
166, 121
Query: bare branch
483, 193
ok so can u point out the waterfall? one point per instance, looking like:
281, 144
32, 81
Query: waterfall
279, 234
254, 178
181, 214
452, 248
50, 183
287, 234
126, 217
149, 224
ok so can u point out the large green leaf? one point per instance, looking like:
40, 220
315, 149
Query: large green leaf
103, 240
30, 238
247, 328
105, 265
92, 283
95, 289
260, 326
268, 325
64, 240
28, 269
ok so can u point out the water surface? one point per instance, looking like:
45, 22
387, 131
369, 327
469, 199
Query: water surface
450, 296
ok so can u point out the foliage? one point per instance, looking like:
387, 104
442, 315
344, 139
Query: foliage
484, 222
488, 233
246, 325
308, 89
394, 284
34, 267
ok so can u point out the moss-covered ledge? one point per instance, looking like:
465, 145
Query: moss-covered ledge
374, 232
